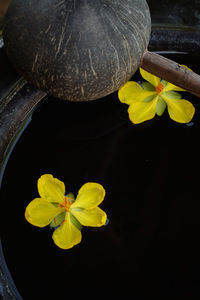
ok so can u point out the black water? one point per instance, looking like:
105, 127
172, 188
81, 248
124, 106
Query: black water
151, 175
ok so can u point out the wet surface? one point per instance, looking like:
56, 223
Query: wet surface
150, 172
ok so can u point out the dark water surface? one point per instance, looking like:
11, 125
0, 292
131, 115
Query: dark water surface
151, 175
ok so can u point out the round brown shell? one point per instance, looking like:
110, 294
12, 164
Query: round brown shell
77, 50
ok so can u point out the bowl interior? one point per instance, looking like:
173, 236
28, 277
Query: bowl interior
150, 172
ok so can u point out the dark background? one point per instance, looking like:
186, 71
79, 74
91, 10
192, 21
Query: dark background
150, 247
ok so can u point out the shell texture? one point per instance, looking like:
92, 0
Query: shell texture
78, 50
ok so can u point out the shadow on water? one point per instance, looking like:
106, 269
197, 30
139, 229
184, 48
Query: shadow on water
150, 172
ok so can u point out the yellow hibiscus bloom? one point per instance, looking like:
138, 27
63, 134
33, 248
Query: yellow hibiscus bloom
64, 212
152, 98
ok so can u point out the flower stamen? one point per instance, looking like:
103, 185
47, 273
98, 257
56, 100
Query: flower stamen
65, 204
159, 88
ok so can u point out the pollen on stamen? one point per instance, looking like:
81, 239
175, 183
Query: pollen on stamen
66, 204
159, 88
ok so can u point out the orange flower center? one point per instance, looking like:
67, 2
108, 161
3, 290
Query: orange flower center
66, 204
159, 88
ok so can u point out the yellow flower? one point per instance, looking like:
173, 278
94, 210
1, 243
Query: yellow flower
64, 212
152, 98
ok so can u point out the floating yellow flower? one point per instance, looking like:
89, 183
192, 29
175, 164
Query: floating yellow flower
152, 97
65, 213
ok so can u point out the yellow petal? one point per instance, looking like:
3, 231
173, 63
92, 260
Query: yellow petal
51, 189
40, 212
187, 67
90, 217
180, 110
172, 87
132, 92
142, 111
90, 195
67, 235
154, 80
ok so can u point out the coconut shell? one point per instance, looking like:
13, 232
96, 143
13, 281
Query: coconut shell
77, 50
